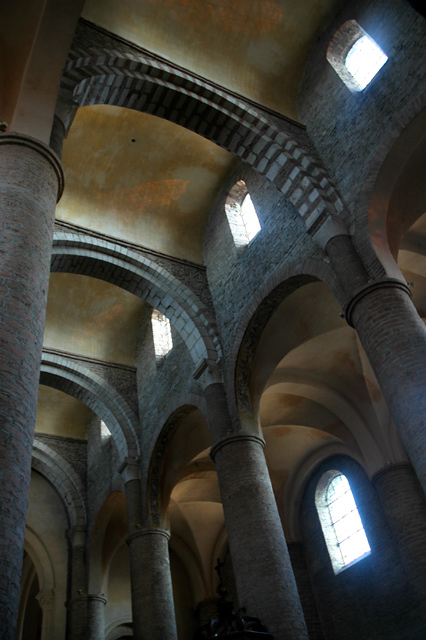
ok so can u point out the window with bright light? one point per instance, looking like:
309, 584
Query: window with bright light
364, 61
162, 335
340, 521
355, 56
241, 214
105, 432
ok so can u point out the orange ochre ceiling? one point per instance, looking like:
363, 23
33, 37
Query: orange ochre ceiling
258, 48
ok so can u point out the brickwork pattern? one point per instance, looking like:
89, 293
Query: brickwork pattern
354, 145
152, 595
64, 478
74, 451
148, 276
265, 584
394, 339
71, 376
271, 144
404, 505
27, 211
372, 598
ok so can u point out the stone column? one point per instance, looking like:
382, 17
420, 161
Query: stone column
96, 616
394, 339
46, 599
77, 604
31, 181
151, 582
404, 505
262, 568
304, 587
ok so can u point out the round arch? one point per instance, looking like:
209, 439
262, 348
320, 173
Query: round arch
64, 479
146, 279
71, 377
274, 146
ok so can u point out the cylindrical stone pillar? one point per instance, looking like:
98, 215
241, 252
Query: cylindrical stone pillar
77, 604
394, 339
404, 505
31, 179
263, 573
152, 593
96, 616
304, 587
151, 583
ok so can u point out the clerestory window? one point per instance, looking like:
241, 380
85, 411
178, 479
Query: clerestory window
355, 56
162, 335
340, 521
241, 214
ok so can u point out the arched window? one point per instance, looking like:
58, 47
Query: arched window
241, 214
340, 521
355, 56
162, 335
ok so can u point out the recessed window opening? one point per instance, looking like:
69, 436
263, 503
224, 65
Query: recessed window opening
105, 432
241, 214
364, 61
355, 56
340, 521
162, 335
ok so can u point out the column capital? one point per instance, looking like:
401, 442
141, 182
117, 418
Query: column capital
235, 437
370, 288
146, 531
130, 470
97, 597
208, 372
19, 139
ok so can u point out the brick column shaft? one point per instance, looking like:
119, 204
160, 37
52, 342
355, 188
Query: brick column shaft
30, 180
394, 339
77, 604
304, 587
152, 593
260, 559
404, 505
96, 617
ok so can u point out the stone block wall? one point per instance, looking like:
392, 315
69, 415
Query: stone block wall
353, 131
236, 278
372, 598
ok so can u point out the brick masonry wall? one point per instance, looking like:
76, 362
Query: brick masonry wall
236, 276
74, 451
174, 374
102, 471
372, 599
352, 132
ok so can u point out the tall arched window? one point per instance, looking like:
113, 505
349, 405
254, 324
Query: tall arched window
355, 56
340, 521
241, 214
162, 335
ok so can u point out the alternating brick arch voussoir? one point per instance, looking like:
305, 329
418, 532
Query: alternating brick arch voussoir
69, 376
275, 147
64, 478
146, 279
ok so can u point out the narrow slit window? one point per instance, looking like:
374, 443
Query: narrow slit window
241, 214
340, 521
162, 335
355, 56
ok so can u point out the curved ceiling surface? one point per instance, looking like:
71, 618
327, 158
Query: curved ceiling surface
258, 48
142, 179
